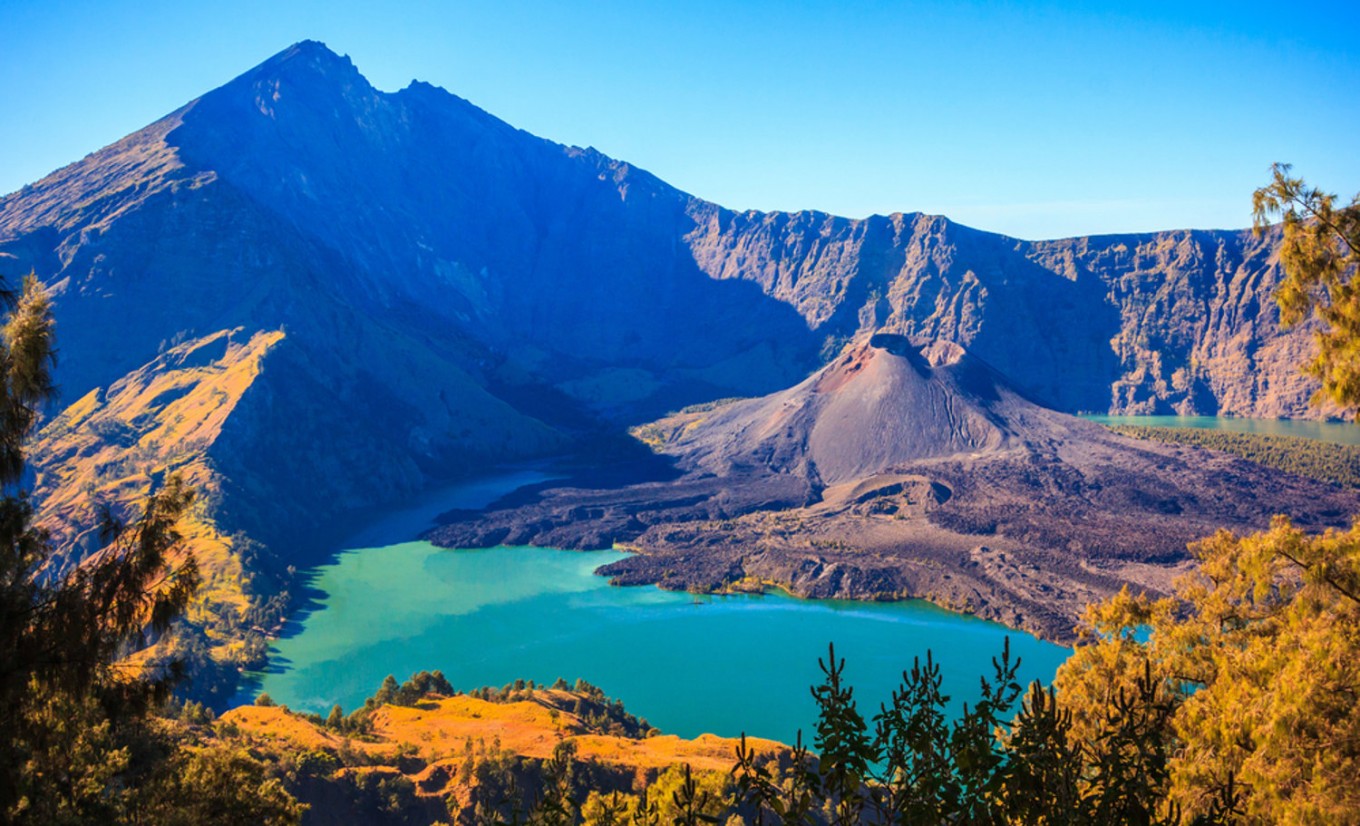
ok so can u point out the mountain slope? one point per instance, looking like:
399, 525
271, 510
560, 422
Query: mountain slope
542, 251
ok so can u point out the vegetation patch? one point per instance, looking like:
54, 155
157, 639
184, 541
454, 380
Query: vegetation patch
1310, 458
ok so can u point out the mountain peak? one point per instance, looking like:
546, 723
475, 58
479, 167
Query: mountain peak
307, 60
311, 46
315, 53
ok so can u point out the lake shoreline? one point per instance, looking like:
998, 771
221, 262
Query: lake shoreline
450, 610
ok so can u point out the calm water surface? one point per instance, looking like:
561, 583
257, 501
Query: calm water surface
1342, 433
488, 617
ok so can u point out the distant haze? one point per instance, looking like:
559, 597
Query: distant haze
1036, 121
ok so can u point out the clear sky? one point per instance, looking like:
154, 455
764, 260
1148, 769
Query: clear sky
1034, 119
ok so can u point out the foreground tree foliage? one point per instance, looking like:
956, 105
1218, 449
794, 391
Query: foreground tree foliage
1320, 252
80, 740
1260, 660
1004, 759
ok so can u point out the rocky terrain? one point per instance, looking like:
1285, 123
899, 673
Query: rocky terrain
898, 471
381, 290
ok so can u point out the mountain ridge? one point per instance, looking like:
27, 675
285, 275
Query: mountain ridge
834, 272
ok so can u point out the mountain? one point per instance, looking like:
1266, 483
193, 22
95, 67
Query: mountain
300, 179
879, 404
316, 297
905, 471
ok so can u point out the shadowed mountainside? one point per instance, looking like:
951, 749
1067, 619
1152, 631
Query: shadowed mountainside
1179, 321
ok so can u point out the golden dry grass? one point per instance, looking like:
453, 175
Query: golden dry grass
113, 444
440, 728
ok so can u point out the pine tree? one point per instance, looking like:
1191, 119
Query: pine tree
842, 742
1320, 252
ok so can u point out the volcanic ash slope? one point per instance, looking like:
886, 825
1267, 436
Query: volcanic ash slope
904, 471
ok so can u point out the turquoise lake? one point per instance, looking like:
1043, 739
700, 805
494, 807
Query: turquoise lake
487, 617
1342, 433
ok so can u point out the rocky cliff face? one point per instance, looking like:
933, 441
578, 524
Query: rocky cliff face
448, 292
1172, 322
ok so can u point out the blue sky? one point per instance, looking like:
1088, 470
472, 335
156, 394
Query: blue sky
1034, 119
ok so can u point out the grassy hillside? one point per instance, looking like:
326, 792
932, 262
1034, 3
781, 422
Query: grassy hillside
423, 753
112, 446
